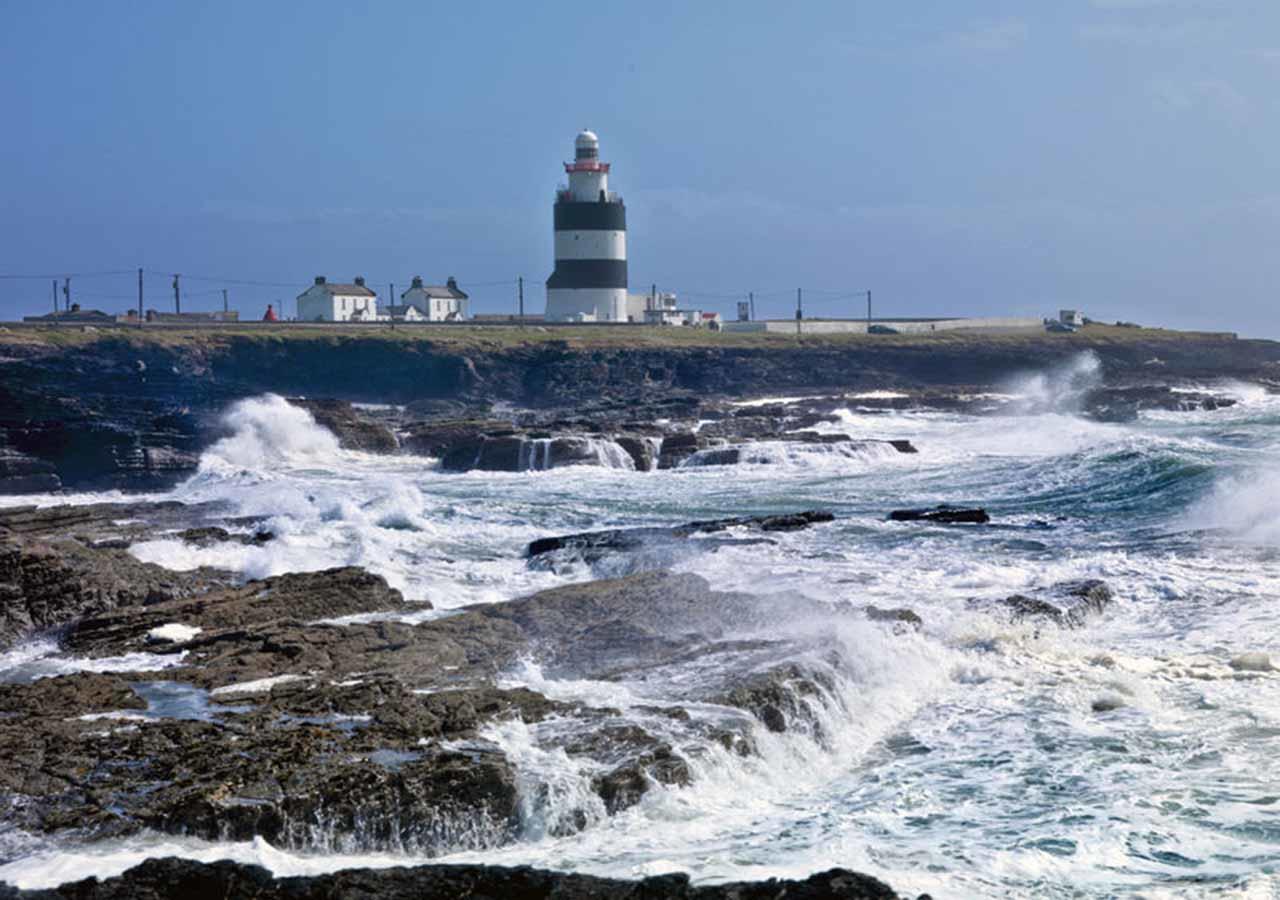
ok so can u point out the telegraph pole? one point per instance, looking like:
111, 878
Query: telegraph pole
224, 299
868, 308
799, 309
55, 296
66, 294
751, 301
139, 296
177, 295
520, 294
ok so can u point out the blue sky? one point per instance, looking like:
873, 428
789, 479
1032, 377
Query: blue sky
1121, 156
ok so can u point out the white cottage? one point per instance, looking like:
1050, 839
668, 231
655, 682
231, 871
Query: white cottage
325, 302
438, 303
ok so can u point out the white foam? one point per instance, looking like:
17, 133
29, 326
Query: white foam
258, 686
173, 633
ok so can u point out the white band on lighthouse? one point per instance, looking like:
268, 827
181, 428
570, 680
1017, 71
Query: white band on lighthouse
589, 283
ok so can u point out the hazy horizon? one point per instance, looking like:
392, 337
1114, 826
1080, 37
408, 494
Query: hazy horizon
1115, 156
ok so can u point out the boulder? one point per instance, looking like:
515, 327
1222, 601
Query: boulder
1068, 604
641, 451
354, 429
593, 546
944, 515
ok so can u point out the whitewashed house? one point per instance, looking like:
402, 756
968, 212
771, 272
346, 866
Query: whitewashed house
325, 302
437, 302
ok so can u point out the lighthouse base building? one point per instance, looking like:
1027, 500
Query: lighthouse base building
589, 283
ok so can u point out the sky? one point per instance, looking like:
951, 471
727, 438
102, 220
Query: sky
988, 157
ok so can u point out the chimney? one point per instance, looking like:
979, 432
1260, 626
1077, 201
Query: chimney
452, 283
359, 281
319, 279
417, 282
75, 307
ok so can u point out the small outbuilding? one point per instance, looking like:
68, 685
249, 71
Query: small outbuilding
402, 313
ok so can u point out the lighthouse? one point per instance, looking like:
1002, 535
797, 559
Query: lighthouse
589, 283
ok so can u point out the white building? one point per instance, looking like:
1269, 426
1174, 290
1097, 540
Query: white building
325, 302
1071, 317
589, 283
437, 302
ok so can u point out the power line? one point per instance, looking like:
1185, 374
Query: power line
65, 275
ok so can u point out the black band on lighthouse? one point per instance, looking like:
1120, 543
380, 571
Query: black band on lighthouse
589, 273
590, 216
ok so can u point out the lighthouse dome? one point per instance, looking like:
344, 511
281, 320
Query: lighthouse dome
586, 138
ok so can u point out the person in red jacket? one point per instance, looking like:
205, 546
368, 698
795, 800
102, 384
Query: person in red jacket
270, 315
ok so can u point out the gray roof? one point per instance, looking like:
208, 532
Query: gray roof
438, 291
346, 290
398, 310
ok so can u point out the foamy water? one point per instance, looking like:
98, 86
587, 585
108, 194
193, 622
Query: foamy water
970, 758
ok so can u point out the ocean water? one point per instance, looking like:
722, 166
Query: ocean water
971, 758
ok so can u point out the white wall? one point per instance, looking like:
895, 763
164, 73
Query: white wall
436, 309
591, 245
587, 305
317, 304
586, 186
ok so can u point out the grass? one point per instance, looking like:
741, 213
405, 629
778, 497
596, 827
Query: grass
500, 337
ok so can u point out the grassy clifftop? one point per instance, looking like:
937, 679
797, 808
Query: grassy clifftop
496, 338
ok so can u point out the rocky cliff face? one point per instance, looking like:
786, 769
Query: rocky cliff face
135, 411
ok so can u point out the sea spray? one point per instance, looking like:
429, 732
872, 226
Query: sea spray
266, 431
1060, 389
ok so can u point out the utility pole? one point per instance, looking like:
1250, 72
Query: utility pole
139, 296
751, 301
66, 294
868, 308
55, 296
177, 295
224, 299
520, 295
799, 309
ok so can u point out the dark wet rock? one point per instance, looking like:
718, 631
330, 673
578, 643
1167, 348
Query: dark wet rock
208, 535
486, 453
48, 584
624, 786
353, 429
1124, 404
591, 547
676, 448
945, 515
641, 451
178, 879
1068, 604
296, 597
900, 615
751, 453
534, 450
439, 438
69, 695
779, 697
23, 474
